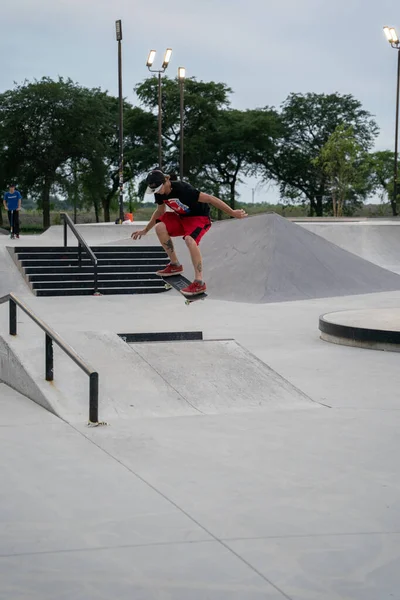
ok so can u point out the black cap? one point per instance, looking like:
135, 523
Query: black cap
155, 179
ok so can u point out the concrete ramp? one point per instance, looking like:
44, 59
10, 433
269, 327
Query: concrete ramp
10, 277
266, 258
164, 379
220, 376
375, 241
17, 409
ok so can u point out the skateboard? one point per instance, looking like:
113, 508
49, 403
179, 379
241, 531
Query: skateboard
178, 282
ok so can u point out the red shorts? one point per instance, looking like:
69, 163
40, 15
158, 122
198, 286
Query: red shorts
194, 227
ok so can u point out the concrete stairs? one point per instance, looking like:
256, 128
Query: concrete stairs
55, 271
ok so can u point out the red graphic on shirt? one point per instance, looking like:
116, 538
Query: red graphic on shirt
177, 206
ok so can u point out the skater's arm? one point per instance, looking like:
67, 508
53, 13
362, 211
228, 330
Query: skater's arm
156, 215
160, 210
221, 205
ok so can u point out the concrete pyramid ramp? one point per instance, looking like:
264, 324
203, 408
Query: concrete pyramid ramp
269, 259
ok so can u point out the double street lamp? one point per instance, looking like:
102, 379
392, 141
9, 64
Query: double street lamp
394, 41
118, 32
181, 79
149, 64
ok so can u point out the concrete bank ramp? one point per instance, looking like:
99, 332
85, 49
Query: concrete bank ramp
17, 409
376, 241
155, 379
269, 259
11, 279
220, 376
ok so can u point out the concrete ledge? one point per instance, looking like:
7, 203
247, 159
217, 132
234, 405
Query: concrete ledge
161, 336
374, 329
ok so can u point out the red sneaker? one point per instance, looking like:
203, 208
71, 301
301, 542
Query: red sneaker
194, 289
170, 270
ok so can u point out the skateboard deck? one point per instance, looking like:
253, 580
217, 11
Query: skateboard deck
178, 282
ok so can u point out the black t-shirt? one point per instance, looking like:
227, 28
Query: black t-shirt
184, 200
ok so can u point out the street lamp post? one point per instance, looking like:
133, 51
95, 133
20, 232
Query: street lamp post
181, 78
394, 41
118, 31
149, 64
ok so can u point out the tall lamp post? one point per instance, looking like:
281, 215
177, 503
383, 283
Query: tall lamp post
394, 41
149, 64
118, 31
181, 78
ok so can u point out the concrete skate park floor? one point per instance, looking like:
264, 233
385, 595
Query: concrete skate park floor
300, 504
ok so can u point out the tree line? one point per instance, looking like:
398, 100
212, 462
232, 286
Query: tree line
57, 137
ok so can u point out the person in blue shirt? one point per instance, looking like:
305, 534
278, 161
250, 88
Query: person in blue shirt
12, 203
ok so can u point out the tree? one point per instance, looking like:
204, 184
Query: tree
219, 142
344, 162
100, 174
45, 124
140, 142
203, 101
308, 121
382, 176
46, 127
231, 141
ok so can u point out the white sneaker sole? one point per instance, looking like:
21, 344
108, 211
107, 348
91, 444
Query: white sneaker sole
168, 274
190, 294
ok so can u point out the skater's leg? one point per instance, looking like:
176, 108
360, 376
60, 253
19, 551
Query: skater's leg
166, 242
196, 257
16, 222
11, 219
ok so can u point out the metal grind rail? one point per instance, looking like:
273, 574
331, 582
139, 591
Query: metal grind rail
52, 336
81, 244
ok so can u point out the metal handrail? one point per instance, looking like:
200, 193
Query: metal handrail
52, 336
81, 243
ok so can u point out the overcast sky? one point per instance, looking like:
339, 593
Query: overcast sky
263, 49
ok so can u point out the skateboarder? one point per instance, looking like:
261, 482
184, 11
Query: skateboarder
190, 218
12, 204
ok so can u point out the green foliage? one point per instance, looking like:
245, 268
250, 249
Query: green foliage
59, 141
345, 164
381, 172
307, 122
202, 103
45, 124
56, 135
230, 143
219, 142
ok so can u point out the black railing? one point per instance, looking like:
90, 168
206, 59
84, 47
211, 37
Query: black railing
52, 336
81, 244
